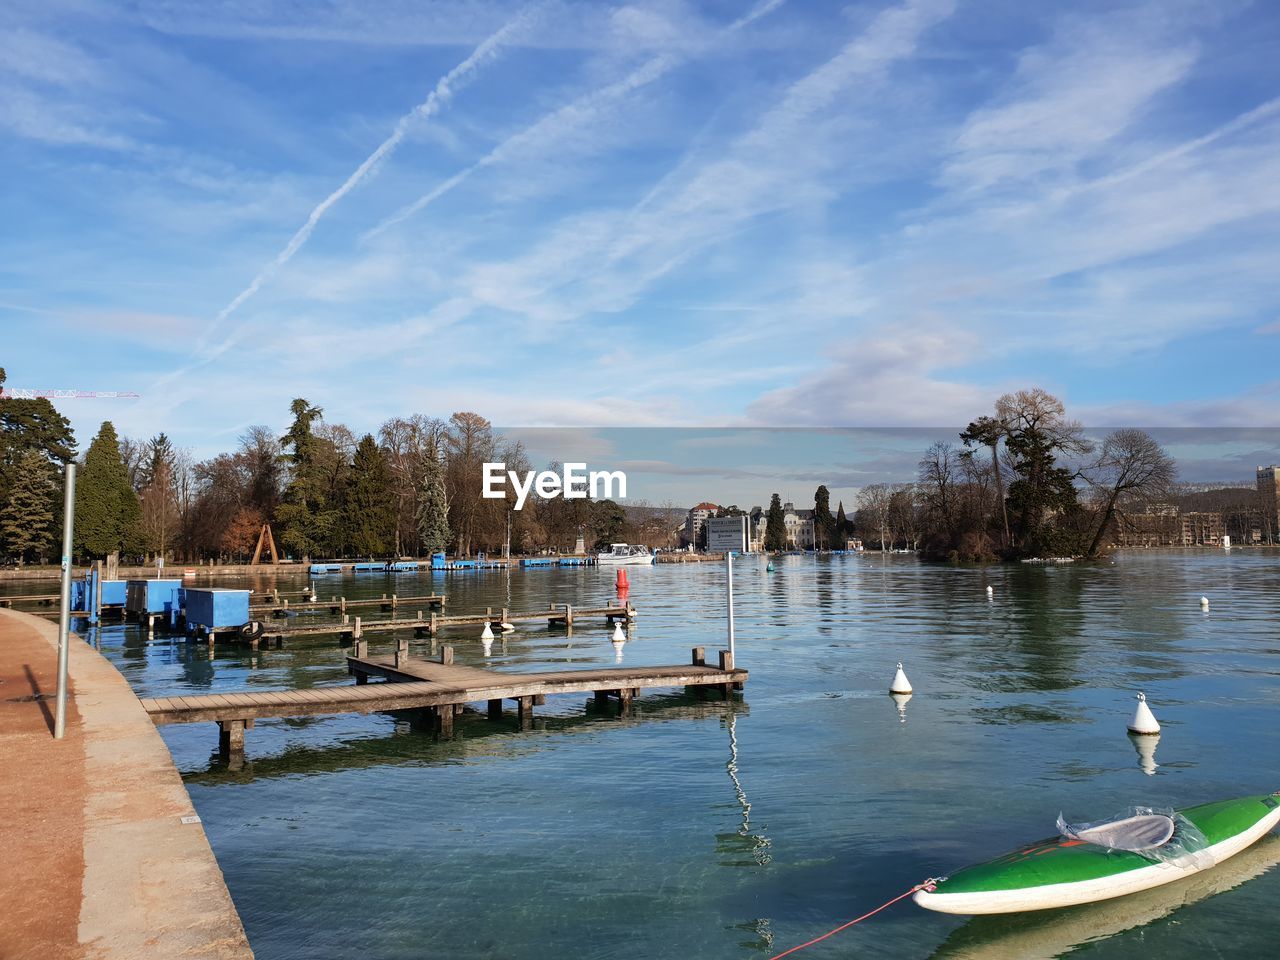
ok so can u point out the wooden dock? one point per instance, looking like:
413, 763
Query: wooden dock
439, 689
565, 615
340, 605
43, 600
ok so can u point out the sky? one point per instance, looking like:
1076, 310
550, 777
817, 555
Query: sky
650, 214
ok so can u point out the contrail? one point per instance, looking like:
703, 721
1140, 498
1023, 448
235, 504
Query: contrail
444, 90
648, 72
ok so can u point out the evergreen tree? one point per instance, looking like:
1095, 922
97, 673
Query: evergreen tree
108, 515
301, 515
609, 522
433, 506
368, 502
843, 527
775, 528
27, 516
823, 523
27, 425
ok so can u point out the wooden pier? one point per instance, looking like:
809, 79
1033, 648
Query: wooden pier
341, 605
43, 600
565, 615
440, 690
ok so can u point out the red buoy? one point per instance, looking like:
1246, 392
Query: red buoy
621, 583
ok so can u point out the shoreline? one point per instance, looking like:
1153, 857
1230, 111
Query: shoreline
102, 855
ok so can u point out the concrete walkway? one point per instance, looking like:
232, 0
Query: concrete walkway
95, 859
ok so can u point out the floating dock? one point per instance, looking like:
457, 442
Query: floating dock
440, 688
565, 615
341, 605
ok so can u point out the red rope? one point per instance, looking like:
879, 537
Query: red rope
927, 885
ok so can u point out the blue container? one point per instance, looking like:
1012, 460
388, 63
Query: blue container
152, 596
537, 562
326, 568
216, 608
401, 566
438, 560
114, 593
370, 568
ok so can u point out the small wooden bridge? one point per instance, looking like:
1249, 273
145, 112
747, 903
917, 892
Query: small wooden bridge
438, 689
565, 615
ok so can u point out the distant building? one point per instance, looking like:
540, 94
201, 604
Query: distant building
799, 527
1202, 529
1164, 525
1269, 494
694, 521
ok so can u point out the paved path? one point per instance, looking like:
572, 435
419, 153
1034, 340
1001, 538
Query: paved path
95, 861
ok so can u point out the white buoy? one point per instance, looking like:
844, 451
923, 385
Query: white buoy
900, 682
508, 627
618, 635
901, 700
1144, 721
1204, 603
486, 633
990, 591
486, 644
1146, 747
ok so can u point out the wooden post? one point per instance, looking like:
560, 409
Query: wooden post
419, 615
505, 614
495, 709
446, 655
360, 648
625, 696
433, 624
342, 607
356, 630
726, 664
568, 615
699, 656
524, 712
230, 739
444, 720
402, 653
361, 677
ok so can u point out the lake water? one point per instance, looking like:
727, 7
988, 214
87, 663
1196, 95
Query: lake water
699, 829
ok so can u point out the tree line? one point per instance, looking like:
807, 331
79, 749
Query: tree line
411, 489
1023, 481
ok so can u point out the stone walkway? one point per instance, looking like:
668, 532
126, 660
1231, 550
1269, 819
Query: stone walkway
95, 859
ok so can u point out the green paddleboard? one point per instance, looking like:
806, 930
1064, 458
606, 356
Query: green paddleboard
1060, 872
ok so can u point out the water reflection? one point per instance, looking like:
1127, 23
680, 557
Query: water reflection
744, 842
1146, 750
900, 701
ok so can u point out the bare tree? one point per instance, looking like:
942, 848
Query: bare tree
873, 504
1131, 465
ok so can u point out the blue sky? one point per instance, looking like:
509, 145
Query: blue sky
649, 214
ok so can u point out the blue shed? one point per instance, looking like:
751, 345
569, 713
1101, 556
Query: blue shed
152, 596
216, 608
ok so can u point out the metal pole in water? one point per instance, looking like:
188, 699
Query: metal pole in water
728, 561
64, 602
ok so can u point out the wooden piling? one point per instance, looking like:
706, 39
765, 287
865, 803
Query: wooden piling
495, 709
230, 739
524, 712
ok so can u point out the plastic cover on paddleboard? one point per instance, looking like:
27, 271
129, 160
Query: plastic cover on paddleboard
1158, 835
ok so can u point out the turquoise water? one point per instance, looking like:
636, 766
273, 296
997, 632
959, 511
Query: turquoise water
699, 829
